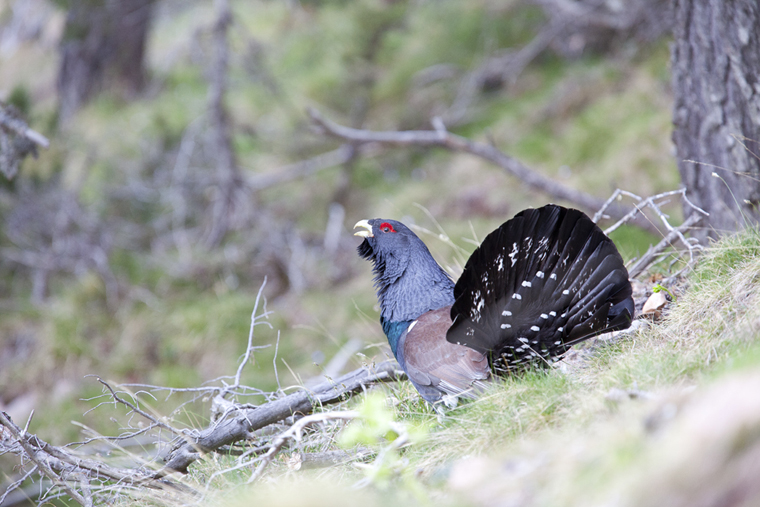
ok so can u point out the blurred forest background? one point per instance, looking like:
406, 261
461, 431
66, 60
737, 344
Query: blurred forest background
116, 257
183, 170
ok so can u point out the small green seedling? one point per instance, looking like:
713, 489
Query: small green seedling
659, 288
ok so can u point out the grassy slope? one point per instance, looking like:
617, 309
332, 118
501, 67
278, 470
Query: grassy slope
573, 435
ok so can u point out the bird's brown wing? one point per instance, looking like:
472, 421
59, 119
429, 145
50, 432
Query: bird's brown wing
433, 361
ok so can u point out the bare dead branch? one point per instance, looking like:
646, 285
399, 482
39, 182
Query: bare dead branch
17, 140
677, 233
615, 196
249, 349
294, 432
134, 408
654, 203
441, 138
240, 426
42, 465
70, 471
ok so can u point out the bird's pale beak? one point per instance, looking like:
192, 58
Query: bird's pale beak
367, 232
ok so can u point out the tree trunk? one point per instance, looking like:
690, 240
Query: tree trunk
103, 45
715, 61
229, 180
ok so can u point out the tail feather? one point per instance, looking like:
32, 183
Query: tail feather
542, 281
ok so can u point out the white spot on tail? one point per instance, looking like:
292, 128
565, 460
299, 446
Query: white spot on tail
475, 312
524, 340
506, 313
553, 313
526, 284
540, 274
516, 296
513, 253
544, 316
565, 292
542, 244
506, 326
535, 328
560, 329
553, 276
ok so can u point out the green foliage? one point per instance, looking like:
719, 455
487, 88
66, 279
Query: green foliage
21, 100
378, 426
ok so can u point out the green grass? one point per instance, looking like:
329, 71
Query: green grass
560, 436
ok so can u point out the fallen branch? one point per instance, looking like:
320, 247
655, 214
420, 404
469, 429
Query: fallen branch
68, 470
441, 138
240, 425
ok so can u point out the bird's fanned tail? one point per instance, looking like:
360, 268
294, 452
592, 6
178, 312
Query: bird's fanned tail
542, 281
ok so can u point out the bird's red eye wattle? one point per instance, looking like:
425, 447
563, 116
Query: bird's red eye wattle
386, 227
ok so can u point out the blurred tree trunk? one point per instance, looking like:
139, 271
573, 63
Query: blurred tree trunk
228, 177
103, 45
715, 62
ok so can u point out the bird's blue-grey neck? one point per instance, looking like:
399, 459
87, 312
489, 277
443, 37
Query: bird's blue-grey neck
410, 283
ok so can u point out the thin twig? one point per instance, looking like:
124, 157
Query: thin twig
294, 432
615, 195
138, 410
249, 348
648, 258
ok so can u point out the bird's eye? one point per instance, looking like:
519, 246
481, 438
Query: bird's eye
386, 227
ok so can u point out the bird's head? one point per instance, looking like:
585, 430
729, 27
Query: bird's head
407, 278
389, 245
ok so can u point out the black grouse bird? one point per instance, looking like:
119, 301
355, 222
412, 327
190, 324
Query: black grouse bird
543, 281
